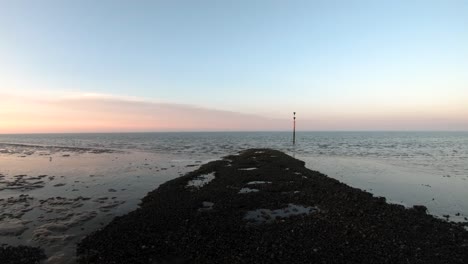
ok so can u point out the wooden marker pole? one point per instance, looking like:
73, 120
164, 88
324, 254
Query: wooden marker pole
294, 129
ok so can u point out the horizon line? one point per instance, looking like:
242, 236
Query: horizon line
228, 131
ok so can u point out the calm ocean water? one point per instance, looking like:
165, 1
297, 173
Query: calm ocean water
439, 152
409, 168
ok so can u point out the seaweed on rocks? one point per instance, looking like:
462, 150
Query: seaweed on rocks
21, 254
296, 216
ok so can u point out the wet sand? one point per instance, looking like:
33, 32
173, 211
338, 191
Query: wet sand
52, 196
265, 207
444, 195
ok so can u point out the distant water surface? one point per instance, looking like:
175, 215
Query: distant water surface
80, 182
439, 152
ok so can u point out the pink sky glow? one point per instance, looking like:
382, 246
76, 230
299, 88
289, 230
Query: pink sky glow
108, 114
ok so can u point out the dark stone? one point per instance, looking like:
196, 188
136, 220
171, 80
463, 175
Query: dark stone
350, 226
21, 254
420, 208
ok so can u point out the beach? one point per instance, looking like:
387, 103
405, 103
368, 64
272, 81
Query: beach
57, 189
263, 206
233, 132
52, 197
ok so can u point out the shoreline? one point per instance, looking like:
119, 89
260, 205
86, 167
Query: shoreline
399, 184
265, 206
55, 203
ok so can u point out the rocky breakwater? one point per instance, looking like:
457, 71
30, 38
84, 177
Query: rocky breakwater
21, 255
263, 206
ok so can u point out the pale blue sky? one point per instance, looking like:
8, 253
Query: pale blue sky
261, 57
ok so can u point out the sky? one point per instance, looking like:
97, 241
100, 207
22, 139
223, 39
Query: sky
214, 65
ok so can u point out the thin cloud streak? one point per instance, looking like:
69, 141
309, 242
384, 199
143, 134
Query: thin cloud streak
19, 114
97, 114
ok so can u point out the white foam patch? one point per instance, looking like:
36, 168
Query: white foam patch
267, 216
247, 190
258, 182
206, 206
248, 169
201, 180
259, 152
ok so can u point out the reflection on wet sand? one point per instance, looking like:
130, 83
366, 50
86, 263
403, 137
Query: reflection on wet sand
52, 197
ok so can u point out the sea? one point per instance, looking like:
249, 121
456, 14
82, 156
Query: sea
56, 188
